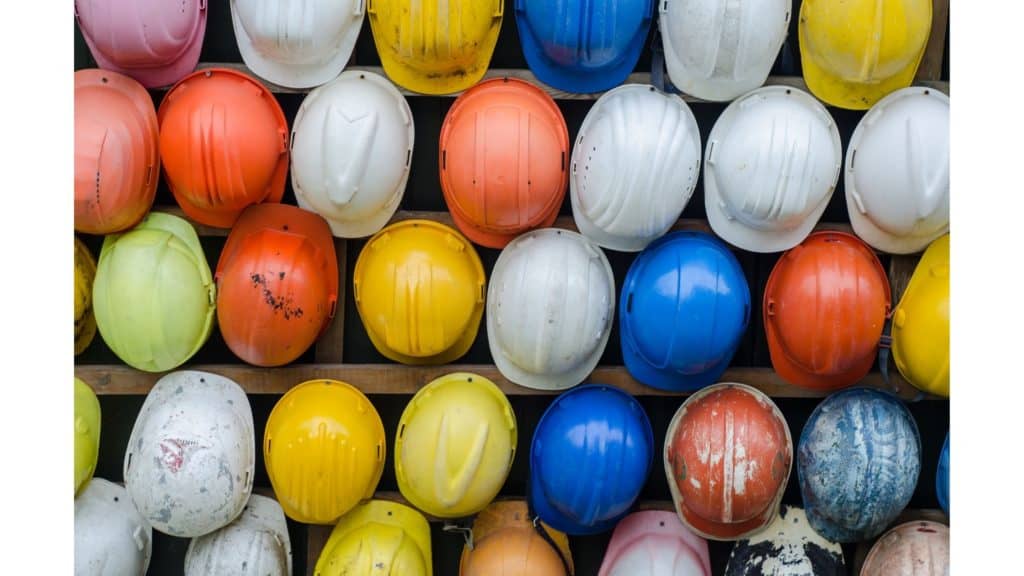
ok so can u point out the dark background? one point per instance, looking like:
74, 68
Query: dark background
424, 193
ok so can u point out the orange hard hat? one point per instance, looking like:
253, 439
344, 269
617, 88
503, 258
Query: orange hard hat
224, 144
117, 163
277, 283
505, 543
728, 454
824, 309
504, 148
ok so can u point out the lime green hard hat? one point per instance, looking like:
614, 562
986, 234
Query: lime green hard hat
87, 433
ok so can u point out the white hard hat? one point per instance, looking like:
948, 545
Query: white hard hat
771, 165
634, 167
897, 171
110, 535
721, 49
255, 544
190, 458
297, 43
786, 546
351, 149
550, 306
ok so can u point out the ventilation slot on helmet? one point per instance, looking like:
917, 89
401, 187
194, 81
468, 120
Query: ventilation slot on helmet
444, 159
629, 303
401, 431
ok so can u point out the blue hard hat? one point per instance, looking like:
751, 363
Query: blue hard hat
590, 458
583, 46
684, 307
942, 477
858, 463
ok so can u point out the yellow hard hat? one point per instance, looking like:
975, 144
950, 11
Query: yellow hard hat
505, 543
85, 321
455, 445
87, 433
855, 52
154, 295
419, 288
324, 450
435, 47
920, 323
378, 538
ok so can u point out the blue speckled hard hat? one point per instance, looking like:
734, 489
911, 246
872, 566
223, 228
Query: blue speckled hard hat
942, 477
858, 462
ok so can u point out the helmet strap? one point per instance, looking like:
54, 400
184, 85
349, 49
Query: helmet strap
884, 346
539, 528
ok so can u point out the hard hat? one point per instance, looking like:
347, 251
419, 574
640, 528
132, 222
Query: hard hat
110, 535
655, 543
87, 433
419, 289
858, 462
378, 538
919, 548
684, 308
255, 544
504, 145
296, 44
153, 41
771, 165
505, 542
455, 445
117, 163
550, 308
85, 274
351, 149
942, 477
154, 296
825, 305
897, 171
583, 47
224, 145
191, 455
435, 47
719, 50
728, 453
324, 450
787, 547
277, 283
920, 323
600, 435
634, 167
853, 53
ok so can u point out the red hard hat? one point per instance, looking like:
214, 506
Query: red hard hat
503, 154
824, 309
117, 163
224, 144
277, 283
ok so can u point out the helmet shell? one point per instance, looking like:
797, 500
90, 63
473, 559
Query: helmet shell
85, 318
942, 477
352, 143
504, 145
87, 433
455, 445
655, 542
787, 547
117, 162
378, 537
224, 145
324, 450
858, 462
594, 432
551, 304
920, 323
110, 535
684, 308
506, 543
825, 306
255, 544
191, 455
918, 548
277, 283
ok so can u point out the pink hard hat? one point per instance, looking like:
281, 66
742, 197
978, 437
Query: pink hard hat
655, 542
153, 41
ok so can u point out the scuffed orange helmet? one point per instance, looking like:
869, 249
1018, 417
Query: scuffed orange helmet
224, 145
825, 305
506, 543
728, 453
117, 163
277, 283
503, 154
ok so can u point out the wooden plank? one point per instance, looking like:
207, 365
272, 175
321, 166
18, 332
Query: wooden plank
931, 63
909, 515
525, 74
400, 379
330, 347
